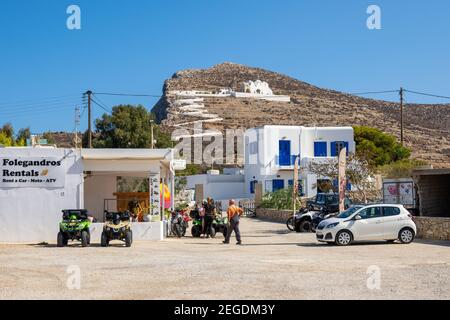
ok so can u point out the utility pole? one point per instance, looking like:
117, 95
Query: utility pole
89, 93
401, 116
152, 143
77, 123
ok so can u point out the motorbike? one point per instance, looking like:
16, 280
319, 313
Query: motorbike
179, 223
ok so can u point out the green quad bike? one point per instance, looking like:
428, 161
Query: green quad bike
219, 224
117, 227
75, 227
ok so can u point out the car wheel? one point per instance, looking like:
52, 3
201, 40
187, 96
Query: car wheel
128, 239
305, 226
290, 224
60, 241
104, 240
406, 236
344, 238
84, 238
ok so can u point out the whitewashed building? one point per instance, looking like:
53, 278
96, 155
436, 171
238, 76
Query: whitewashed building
37, 183
270, 152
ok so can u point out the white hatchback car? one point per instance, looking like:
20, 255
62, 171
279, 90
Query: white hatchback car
368, 223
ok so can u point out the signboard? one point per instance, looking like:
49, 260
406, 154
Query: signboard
342, 178
155, 194
399, 192
179, 165
32, 172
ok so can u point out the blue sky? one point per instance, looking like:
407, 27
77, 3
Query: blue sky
133, 46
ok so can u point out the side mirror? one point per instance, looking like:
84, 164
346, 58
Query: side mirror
357, 217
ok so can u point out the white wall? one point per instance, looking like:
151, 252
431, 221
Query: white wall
33, 214
219, 187
263, 165
96, 189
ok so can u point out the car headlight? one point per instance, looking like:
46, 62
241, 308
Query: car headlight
332, 225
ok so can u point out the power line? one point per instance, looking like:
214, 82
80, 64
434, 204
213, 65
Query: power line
427, 94
374, 92
127, 94
30, 102
99, 105
101, 102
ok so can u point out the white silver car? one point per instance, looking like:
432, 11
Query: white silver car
369, 223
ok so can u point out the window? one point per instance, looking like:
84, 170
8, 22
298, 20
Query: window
335, 145
268, 186
320, 199
253, 186
370, 213
390, 211
300, 186
320, 149
277, 185
253, 147
284, 153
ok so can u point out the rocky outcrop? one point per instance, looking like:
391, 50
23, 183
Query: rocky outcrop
427, 127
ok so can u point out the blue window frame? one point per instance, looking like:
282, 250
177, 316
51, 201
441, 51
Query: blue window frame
284, 153
320, 149
334, 147
253, 186
277, 185
300, 186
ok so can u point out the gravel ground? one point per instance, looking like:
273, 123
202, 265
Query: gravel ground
272, 264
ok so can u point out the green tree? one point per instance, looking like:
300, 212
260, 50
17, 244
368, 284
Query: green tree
23, 135
127, 127
377, 147
5, 140
49, 137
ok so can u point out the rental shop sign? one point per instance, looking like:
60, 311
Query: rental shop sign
23, 172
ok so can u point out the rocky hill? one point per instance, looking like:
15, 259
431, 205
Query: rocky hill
427, 127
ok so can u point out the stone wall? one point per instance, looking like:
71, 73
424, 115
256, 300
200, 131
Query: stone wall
433, 228
427, 227
273, 215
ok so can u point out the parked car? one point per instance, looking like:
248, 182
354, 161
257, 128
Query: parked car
327, 202
374, 222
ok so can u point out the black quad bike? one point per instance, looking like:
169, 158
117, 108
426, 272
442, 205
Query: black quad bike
117, 227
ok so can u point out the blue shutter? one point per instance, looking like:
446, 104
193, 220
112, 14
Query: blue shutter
334, 145
277, 185
320, 149
284, 153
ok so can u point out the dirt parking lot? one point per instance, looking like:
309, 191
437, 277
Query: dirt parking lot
272, 264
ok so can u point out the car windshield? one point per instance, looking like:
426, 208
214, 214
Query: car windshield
332, 199
347, 213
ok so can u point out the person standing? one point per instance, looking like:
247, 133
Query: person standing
234, 214
210, 213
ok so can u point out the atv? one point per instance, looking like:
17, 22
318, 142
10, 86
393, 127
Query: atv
220, 224
117, 227
75, 227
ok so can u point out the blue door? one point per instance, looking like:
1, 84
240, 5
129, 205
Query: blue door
277, 185
284, 153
